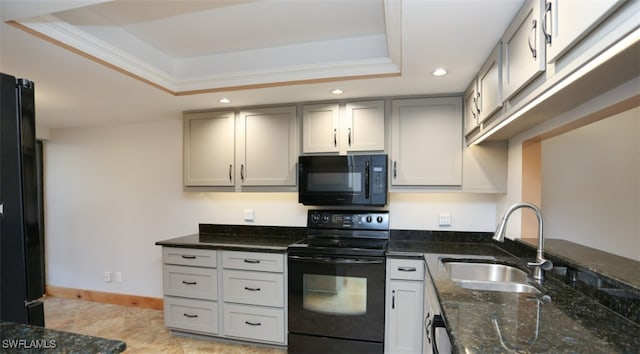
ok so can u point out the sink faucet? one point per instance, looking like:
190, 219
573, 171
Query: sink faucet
541, 263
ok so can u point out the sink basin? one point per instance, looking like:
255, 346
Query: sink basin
489, 276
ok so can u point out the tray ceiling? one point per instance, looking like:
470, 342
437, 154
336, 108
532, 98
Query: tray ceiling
96, 64
197, 46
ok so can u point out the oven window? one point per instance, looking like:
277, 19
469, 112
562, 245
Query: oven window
332, 294
334, 182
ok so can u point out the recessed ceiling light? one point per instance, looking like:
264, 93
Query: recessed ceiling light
440, 72
337, 91
224, 100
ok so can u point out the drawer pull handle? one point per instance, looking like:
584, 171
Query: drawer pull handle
253, 323
251, 289
252, 261
190, 316
189, 282
407, 269
188, 257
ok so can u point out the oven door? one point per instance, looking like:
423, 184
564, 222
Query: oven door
337, 296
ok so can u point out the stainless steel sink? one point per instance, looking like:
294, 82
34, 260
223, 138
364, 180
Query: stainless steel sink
489, 276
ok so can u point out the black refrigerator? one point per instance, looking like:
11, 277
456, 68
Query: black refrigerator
21, 239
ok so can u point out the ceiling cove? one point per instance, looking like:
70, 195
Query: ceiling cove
189, 47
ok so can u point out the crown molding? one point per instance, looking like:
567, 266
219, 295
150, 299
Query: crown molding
59, 32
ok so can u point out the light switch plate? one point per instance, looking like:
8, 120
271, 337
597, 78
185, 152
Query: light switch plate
444, 219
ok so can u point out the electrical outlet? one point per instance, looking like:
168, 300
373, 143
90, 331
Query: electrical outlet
444, 219
249, 215
107, 277
118, 277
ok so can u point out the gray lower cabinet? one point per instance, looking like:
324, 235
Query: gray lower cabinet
190, 290
403, 305
231, 294
191, 315
254, 296
435, 338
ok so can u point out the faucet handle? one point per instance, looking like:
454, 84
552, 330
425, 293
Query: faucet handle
545, 264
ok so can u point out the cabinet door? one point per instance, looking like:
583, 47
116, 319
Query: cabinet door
567, 21
320, 125
471, 109
432, 308
267, 150
426, 142
523, 49
490, 84
208, 148
404, 331
364, 126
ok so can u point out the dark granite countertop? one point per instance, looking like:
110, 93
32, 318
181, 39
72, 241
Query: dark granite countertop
616, 268
564, 318
21, 338
273, 239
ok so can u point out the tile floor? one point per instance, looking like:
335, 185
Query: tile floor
143, 330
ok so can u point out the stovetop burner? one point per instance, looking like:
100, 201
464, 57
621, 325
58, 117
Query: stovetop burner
344, 232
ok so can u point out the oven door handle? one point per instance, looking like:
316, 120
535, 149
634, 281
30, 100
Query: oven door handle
336, 260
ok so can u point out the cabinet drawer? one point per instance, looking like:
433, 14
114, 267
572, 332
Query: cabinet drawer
199, 283
189, 256
255, 323
253, 288
190, 314
263, 262
408, 269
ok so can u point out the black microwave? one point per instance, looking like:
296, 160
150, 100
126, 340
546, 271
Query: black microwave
342, 180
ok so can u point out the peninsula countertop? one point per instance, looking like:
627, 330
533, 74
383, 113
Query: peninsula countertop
272, 239
560, 319
21, 338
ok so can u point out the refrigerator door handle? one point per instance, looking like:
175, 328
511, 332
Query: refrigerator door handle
28, 303
2, 209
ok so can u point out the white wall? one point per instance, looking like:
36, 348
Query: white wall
590, 185
113, 191
514, 186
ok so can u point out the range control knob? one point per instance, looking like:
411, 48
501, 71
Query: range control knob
325, 218
379, 219
369, 218
315, 217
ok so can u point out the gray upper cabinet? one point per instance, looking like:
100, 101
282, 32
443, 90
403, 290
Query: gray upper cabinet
523, 48
471, 108
253, 148
567, 21
320, 124
267, 141
426, 142
490, 84
209, 148
343, 128
364, 126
